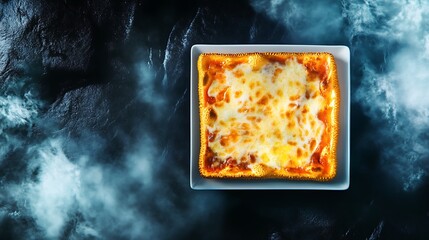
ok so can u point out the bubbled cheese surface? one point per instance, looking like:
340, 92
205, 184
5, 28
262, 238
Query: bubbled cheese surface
266, 111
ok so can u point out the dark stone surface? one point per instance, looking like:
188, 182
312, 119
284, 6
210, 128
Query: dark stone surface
69, 42
94, 126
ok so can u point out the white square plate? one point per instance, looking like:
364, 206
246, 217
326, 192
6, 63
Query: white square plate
341, 180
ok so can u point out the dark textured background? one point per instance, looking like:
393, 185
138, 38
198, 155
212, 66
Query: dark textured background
94, 120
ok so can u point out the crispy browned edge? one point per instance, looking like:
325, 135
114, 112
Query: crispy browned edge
265, 171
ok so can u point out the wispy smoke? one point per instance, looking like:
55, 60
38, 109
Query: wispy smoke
55, 185
52, 196
102, 161
68, 187
395, 89
389, 41
19, 109
301, 18
15, 112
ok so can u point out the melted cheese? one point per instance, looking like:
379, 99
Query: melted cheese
265, 115
269, 111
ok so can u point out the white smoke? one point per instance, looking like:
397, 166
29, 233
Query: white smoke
144, 194
54, 194
398, 91
105, 197
67, 191
137, 200
149, 91
99, 194
15, 112
303, 18
389, 41
19, 110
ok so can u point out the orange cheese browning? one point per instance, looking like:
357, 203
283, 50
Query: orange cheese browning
268, 115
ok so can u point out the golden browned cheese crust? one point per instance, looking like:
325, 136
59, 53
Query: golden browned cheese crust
268, 115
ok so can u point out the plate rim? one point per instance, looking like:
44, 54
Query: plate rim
197, 182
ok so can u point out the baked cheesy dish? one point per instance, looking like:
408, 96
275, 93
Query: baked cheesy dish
268, 115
